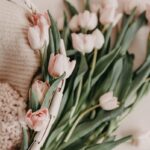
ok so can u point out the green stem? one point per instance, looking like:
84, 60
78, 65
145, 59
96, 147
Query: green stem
78, 97
78, 120
94, 62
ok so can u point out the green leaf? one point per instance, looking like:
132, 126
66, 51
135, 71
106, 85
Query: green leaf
72, 10
87, 5
44, 62
50, 92
108, 145
25, 141
125, 79
88, 127
140, 78
107, 38
55, 32
125, 28
114, 75
52, 136
71, 52
66, 35
103, 63
33, 101
51, 47
131, 32
83, 67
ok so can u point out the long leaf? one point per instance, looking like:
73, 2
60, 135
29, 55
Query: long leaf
73, 11
55, 32
103, 63
131, 32
50, 92
25, 141
87, 127
108, 145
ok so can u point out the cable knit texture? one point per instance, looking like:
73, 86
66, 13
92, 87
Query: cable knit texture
12, 108
18, 62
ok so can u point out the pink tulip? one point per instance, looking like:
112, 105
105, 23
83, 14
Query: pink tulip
108, 101
59, 64
84, 43
37, 120
39, 89
38, 34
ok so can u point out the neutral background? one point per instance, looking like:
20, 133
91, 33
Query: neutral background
139, 120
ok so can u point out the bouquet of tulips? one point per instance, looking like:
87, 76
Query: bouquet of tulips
88, 84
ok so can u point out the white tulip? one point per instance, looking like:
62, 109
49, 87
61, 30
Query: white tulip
109, 3
98, 39
109, 13
83, 42
88, 20
108, 101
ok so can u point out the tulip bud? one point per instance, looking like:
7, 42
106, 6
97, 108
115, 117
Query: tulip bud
38, 34
59, 64
84, 43
108, 101
98, 39
38, 91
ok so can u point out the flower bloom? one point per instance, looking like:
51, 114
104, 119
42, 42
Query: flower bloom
38, 33
108, 101
108, 12
37, 120
140, 5
98, 39
85, 20
85, 43
38, 90
59, 64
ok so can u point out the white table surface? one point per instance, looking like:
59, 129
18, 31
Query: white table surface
139, 119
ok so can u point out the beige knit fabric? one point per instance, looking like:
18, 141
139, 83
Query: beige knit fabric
12, 108
18, 62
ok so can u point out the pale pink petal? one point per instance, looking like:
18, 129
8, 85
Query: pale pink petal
74, 24
98, 39
34, 38
59, 65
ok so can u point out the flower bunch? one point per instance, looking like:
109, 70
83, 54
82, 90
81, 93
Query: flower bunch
88, 83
